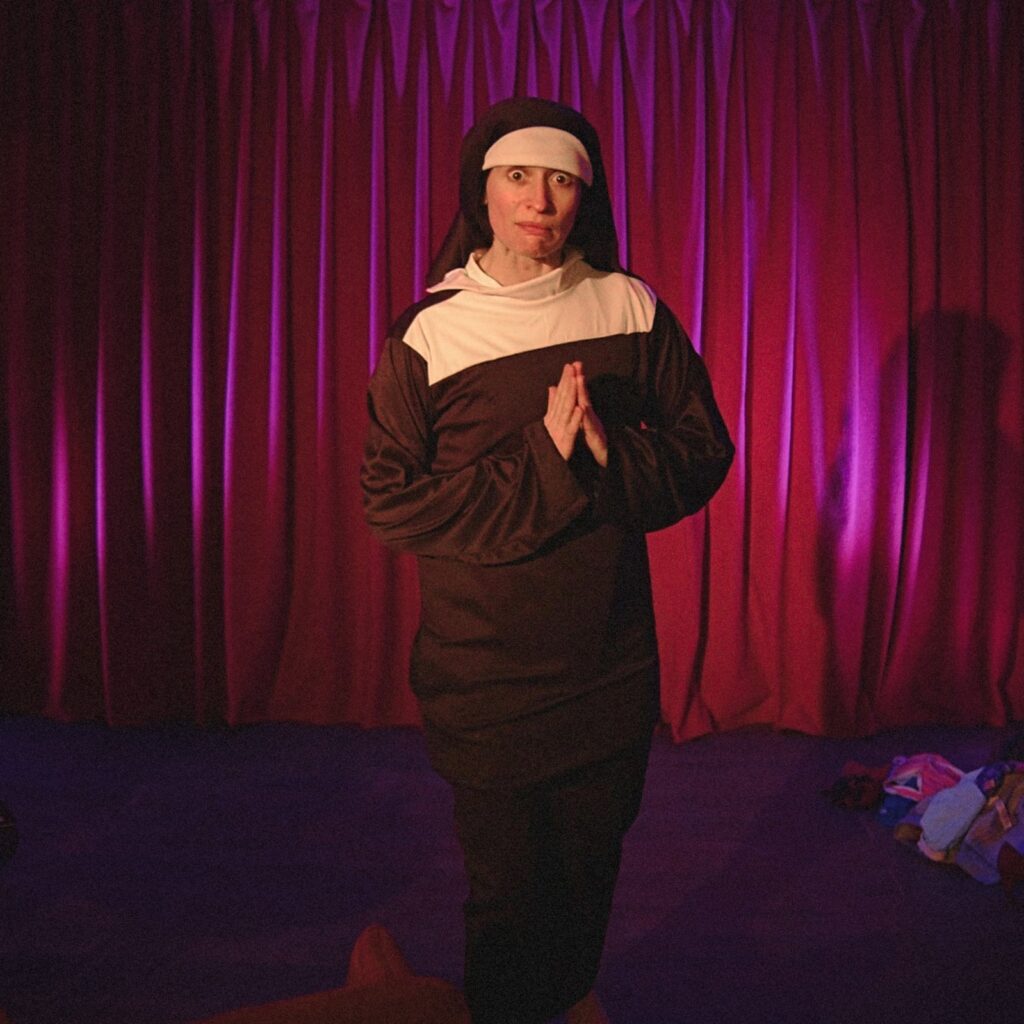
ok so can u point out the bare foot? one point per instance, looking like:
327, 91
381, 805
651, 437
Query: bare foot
587, 1011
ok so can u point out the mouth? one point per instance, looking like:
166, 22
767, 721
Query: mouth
533, 229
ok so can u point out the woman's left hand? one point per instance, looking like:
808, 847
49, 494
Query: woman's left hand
562, 420
591, 425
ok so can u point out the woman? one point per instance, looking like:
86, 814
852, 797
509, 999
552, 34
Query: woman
530, 419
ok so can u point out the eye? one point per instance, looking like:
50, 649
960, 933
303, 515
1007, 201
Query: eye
517, 174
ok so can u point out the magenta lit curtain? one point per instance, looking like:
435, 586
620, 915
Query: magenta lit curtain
212, 210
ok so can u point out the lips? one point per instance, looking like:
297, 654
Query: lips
533, 229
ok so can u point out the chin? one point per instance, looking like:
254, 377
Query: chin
546, 252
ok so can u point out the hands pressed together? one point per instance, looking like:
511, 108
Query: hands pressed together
570, 413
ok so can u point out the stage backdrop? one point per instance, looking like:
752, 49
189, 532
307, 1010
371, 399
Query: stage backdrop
212, 210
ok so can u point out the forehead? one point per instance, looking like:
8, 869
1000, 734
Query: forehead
539, 146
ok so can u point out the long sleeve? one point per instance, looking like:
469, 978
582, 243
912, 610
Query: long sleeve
672, 464
536, 617
502, 505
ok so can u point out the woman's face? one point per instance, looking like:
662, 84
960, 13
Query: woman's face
532, 209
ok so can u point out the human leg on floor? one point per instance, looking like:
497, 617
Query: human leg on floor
542, 864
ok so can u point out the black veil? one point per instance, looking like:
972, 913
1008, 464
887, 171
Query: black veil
594, 231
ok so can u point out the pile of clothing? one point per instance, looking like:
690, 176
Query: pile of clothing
973, 819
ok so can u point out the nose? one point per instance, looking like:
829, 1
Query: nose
539, 193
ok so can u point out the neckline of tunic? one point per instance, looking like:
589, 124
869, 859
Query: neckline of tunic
472, 277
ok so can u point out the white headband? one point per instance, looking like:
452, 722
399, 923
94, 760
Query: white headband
540, 146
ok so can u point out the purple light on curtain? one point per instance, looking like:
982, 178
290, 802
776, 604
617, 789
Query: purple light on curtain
377, 256
146, 404
421, 214
307, 21
544, 26
817, 398
619, 178
276, 382
916, 516
787, 390
135, 24
446, 18
62, 326
471, 70
499, 57
197, 405
399, 16
593, 34
638, 34
848, 494
357, 19
696, 213
325, 320
60, 515
16, 324
100, 484
238, 321
19, 546
238, 299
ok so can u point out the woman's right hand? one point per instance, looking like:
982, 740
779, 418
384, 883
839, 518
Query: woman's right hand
564, 415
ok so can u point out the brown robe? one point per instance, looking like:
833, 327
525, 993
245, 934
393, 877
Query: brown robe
536, 650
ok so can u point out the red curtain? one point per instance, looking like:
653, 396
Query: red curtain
212, 210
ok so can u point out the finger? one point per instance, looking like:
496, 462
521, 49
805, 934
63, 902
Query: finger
566, 388
564, 416
558, 408
563, 419
565, 393
594, 436
592, 425
577, 369
582, 394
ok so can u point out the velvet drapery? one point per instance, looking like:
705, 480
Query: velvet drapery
212, 210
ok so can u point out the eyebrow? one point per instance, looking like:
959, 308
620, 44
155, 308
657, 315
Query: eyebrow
549, 170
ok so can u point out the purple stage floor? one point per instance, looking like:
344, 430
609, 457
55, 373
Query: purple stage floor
165, 874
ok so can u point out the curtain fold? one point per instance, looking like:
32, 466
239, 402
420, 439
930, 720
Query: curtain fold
213, 210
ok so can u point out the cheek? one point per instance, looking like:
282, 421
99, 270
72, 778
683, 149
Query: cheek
494, 207
493, 216
570, 215
489, 204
